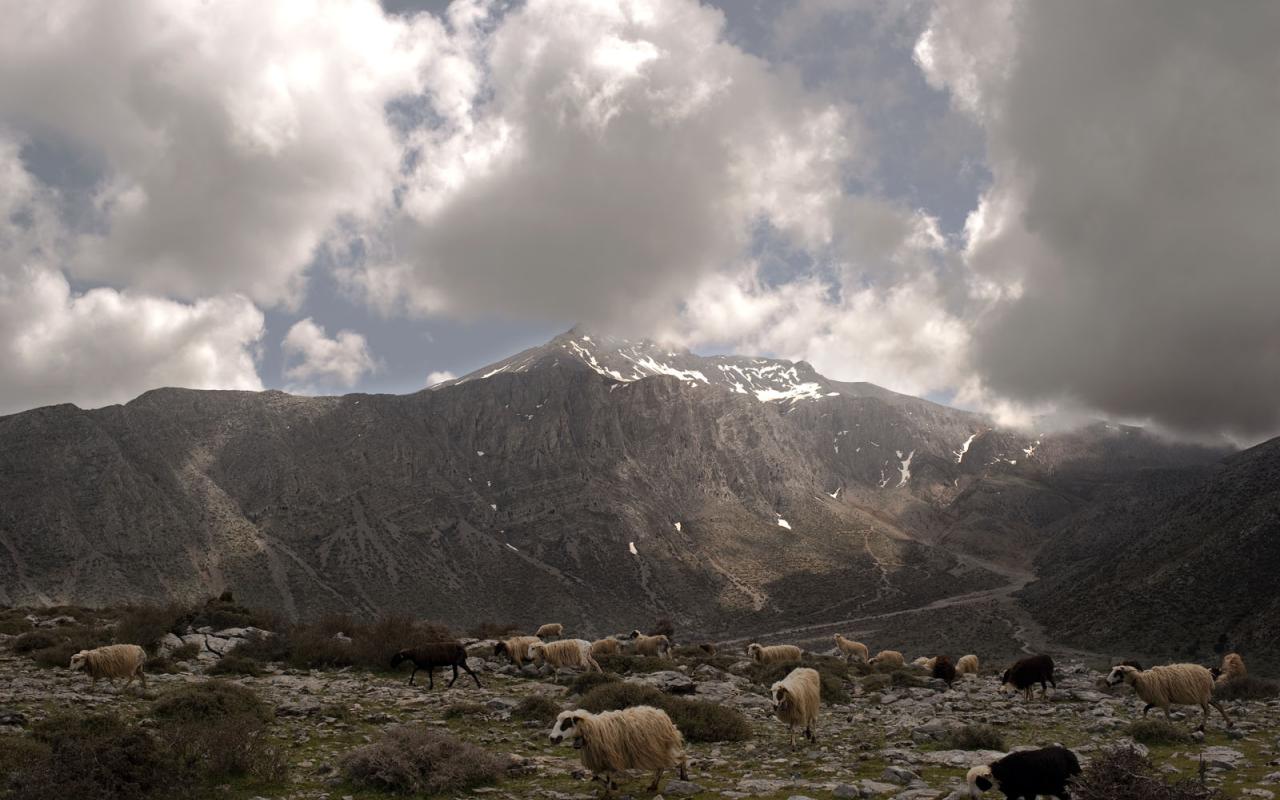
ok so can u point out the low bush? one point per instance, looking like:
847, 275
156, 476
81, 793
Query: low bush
185, 652
35, 640
624, 664
1125, 773
536, 707
1246, 688
408, 760
584, 682
1156, 731
208, 700
98, 756
698, 720
233, 664
161, 665
906, 678
147, 625
875, 683
71, 639
976, 737
233, 746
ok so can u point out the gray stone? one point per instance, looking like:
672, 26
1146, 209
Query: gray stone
666, 680
680, 788
762, 785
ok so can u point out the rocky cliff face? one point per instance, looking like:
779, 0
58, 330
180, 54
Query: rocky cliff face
585, 479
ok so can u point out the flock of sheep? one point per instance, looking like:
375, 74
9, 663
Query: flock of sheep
645, 738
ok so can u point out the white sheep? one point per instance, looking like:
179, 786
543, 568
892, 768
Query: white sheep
1175, 684
551, 629
564, 653
796, 699
640, 737
1232, 669
516, 648
774, 654
608, 646
849, 648
889, 658
925, 661
967, 665
111, 662
658, 645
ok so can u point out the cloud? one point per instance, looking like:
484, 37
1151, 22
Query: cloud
593, 160
227, 144
101, 346
318, 360
1129, 233
439, 376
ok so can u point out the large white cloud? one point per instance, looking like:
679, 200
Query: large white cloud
230, 138
101, 346
596, 160
315, 360
1130, 232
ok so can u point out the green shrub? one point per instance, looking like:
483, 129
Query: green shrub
460, 710
698, 720
584, 682
219, 748
876, 683
906, 678
223, 612
210, 699
161, 665
35, 640
1156, 731
632, 664
1246, 688
147, 625
1124, 773
233, 664
186, 652
537, 707
976, 737
409, 760
96, 756
264, 649
71, 640
313, 647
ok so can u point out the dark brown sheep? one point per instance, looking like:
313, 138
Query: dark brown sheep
944, 670
435, 654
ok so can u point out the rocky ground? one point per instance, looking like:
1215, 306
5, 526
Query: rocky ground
882, 743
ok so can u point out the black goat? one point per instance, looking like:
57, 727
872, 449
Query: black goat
1029, 671
1028, 774
435, 654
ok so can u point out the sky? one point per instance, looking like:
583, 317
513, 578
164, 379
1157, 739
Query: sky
1027, 209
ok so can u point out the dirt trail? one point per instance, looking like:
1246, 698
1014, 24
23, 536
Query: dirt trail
1029, 634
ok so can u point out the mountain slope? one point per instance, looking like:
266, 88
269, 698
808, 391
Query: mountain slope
1173, 562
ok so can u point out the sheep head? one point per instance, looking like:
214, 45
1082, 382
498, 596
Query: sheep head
635, 634
79, 659
979, 780
781, 697
1121, 674
567, 728
753, 650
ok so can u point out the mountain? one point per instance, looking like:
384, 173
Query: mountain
1173, 564
599, 482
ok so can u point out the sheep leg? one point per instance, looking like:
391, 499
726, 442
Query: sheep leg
1215, 704
431, 677
142, 677
455, 676
657, 776
412, 673
472, 674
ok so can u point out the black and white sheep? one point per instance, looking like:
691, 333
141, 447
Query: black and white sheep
430, 655
1027, 774
1026, 673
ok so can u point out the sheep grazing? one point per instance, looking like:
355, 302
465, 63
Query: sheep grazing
774, 654
430, 655
888, 658
564, 653
640, 737
605, 647
516, 648
796, 699
1175, 684
111, 662
851, 649
925, 661
552, 630
1026, 673
651, 645
943, 669
1027, 774
1232, 669
967, 665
